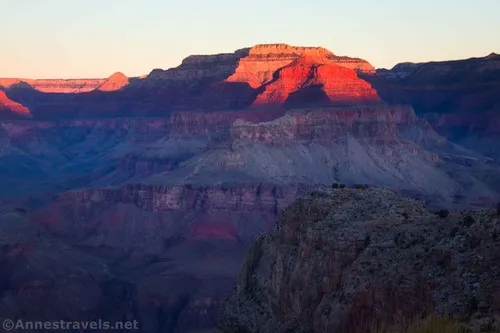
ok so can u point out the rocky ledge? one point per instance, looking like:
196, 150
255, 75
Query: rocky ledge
363, 260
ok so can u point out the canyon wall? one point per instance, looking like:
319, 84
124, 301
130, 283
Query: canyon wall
460, 98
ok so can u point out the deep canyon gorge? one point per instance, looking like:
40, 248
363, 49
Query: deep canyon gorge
138, 197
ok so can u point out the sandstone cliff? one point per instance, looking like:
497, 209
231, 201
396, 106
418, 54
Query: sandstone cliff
258, 67
367, 260
314, 79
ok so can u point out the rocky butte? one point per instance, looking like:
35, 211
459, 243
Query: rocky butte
314, 78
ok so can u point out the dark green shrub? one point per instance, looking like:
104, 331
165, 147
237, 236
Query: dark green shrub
335, 185
436, 324
469, 220
21, 210
498, 208
443, 213
360, 186
454, 231
342, 186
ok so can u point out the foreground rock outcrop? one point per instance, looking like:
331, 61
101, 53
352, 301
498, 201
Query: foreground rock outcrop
356, 260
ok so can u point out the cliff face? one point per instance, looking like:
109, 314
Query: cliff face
314, 79
109, 217
366, 260
460, 98
258, 67
377, 123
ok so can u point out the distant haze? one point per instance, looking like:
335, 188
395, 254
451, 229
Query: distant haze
94, 38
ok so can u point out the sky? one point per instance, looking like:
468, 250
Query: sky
95, 38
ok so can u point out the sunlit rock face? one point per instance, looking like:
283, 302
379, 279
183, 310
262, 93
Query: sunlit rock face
115, 82
314, 79
10, 108
262, 61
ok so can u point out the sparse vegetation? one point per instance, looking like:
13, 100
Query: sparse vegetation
360, 186
498, 208
454, 231
335, 185
468, 221
443, 213
341, 185
472, 306
319, 194
436, 324
21, 210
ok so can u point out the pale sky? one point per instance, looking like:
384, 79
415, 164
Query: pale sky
94, 38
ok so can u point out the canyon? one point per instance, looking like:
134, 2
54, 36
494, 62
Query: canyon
159, 184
